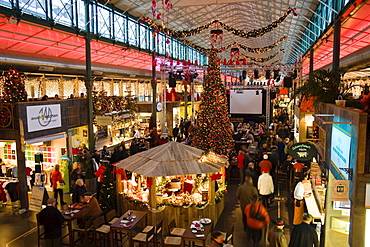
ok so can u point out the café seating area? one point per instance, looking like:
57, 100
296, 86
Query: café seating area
132, 229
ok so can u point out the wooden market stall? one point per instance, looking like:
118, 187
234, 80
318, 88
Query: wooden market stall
173, 181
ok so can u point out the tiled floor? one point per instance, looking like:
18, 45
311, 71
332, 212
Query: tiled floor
20, 230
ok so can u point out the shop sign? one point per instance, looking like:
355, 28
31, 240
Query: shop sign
367, 196
103, 120
303, 151
340, 190
36, 198
42, 117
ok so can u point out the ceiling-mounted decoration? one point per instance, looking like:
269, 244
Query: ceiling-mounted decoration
216, 36
261, 59
248, 49
238, 32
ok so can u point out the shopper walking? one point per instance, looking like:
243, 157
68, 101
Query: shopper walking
257, 220
265, 186
265, 163
276, 236
55, 178
52, 220
303, 235
241, 167
245, 194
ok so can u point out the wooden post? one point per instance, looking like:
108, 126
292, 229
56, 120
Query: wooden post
211, 198
153, 200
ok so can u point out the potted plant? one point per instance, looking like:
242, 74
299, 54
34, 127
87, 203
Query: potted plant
323, 86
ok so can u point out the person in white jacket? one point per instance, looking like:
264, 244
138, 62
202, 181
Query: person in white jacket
265, 186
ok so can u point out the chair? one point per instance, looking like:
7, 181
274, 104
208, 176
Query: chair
101, 231
229, 239
170, 241
144, 238
111, 217
175, 231
40, 231
158, 231
84, 235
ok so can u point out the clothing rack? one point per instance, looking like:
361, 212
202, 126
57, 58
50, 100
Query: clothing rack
16, 204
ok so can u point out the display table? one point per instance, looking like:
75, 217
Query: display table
312, 207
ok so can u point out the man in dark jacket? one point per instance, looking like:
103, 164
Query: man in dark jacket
119, 154
52, 220
303, 235
245, 194
175, 131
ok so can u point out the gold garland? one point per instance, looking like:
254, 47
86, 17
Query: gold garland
238, 32
249, 49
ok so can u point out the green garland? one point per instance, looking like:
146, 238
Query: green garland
241, 33
248, 49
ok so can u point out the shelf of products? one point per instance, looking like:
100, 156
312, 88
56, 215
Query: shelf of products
49, 155
176, 191
9, 151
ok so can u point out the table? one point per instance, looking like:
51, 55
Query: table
190, 236
68, 219
117, 226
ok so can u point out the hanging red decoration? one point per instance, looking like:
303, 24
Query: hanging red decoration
216, 38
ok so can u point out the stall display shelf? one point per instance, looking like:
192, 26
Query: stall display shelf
9, 151
48, 154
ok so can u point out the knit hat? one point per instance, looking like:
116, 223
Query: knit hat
278, 222
265, 169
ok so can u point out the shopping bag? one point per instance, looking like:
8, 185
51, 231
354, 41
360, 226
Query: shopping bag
60, 185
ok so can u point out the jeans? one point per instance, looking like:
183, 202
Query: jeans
60, 192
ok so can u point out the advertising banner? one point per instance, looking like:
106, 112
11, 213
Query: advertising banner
340, 190
42, 117
340, 149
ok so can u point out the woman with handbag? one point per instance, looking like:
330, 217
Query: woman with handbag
57, 183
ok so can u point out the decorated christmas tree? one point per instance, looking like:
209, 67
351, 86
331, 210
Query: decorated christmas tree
107, 198
14, 89
213, 127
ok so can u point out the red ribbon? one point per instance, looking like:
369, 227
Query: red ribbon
293, 11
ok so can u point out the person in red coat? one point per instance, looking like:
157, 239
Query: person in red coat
55, 178
265, 163
100, 175
241, 157
256, 225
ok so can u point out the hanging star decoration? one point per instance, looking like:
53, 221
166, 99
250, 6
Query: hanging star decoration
238, 32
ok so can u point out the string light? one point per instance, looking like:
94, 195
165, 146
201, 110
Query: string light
238, 32
248, 49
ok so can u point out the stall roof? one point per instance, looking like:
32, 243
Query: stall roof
172, 158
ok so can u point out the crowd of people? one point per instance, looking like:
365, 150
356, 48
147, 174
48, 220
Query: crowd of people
258, 179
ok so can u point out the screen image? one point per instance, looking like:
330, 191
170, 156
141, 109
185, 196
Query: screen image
246, 101
340, 148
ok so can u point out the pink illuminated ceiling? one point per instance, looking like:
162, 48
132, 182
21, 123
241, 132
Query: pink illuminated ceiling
355, 35
42, 41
